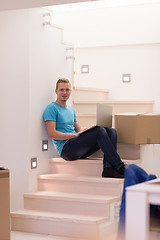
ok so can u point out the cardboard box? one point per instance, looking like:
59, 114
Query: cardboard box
138, 128
4, 205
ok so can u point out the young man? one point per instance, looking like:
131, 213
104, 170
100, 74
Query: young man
63, 129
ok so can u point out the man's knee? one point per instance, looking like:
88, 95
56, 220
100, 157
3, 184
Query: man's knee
112, 132
101, 131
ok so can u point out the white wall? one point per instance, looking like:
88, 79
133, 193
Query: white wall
107, 64
115, 41
31, 59
47, 64
14, 103
108, 26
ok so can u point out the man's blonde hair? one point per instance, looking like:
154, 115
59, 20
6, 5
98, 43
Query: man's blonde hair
62, 80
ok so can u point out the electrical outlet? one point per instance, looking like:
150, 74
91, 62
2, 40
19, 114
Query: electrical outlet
33, 163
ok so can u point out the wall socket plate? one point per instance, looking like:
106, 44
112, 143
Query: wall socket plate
33, 163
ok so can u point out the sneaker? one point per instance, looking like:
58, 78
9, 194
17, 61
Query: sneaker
109, 172
121, 170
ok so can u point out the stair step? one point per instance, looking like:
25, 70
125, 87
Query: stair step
89, 120
129, 151
80, 184
67, 225
89, 107
86, 120
125, 151
15, 235
90, 94
80, 167
82, 204
91, 166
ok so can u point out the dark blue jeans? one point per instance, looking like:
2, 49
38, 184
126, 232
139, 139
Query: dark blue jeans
88, 143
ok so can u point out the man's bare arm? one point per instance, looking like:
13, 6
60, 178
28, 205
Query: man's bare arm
54, 134
77, 127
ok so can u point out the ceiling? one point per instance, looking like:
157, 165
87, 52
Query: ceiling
20, 4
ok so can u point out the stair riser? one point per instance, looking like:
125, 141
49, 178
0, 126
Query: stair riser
90, 108
70, 207
86, 121
89, 121
77, 168
80, 167
56, 227
129, 151
84, 108
101, 188
89, 96
125, 151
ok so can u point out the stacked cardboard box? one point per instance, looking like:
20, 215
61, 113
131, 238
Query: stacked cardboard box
4, 205
138, 128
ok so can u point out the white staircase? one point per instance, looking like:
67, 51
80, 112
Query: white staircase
74, 201
85, 100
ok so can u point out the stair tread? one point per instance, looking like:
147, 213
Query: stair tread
90, 89
15, 235
86, 115
91, 160
126, 161
62, 177
61, 160
71, 196
57, 216
114, 102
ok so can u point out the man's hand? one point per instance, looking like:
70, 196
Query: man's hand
78, 128
73, 135
82, 130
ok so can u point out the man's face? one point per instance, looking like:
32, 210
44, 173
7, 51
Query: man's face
63, 91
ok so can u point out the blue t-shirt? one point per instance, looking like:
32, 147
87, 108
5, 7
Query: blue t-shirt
64, 117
